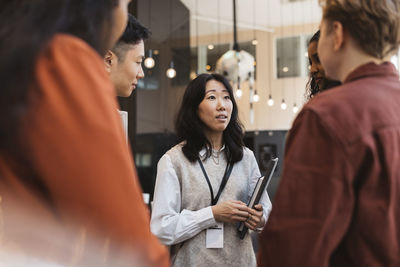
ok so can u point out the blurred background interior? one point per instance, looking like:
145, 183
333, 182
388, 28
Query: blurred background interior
188, 38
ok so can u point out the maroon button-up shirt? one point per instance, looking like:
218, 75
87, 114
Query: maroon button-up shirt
338, 203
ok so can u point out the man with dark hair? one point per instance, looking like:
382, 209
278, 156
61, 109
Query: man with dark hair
124, 60
338, 202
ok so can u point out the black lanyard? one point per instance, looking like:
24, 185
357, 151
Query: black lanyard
227, 174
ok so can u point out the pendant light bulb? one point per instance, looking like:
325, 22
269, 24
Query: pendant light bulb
295, 108
270, 101
239, 93
149, 62
256, 97
171, 72
283, 104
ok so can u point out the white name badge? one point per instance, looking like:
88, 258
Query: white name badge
215, 236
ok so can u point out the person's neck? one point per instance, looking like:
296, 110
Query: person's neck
216, 140
355, 60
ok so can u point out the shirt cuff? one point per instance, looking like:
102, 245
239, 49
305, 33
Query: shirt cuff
259, 229
206, 217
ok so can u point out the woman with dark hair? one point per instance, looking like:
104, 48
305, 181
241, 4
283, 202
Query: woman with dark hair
66, 173
317, 81
204, 182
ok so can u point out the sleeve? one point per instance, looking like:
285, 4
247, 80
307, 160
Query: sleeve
168, 222
314, 202
255, 174
80, 153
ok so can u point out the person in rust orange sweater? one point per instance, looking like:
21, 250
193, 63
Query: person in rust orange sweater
69, 189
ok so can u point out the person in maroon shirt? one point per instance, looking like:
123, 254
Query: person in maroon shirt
338, 203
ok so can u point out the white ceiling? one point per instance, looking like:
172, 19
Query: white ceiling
215, 16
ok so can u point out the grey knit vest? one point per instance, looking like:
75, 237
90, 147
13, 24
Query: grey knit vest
195, 195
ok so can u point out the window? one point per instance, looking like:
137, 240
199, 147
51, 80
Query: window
291, 56
143, 159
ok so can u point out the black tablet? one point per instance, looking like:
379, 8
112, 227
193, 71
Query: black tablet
259, 189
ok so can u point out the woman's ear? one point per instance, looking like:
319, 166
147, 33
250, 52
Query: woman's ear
109, 60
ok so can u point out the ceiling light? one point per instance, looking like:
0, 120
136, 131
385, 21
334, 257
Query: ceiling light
149, 61
270, 101
171, 72
239, 93
283, 104
295, 108
256, 97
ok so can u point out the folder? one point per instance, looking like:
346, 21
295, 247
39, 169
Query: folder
259, 189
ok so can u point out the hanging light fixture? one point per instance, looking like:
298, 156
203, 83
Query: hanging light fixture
218, 30
256, 97
295, 108
254, 41
270, 101
149, 61
239, 93
171, 72
197, 71
283, 104
211, 46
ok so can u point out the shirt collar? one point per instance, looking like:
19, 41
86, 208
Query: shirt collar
372, 69
203, 151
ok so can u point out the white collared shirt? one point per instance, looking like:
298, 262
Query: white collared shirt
173, 225
124, 119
